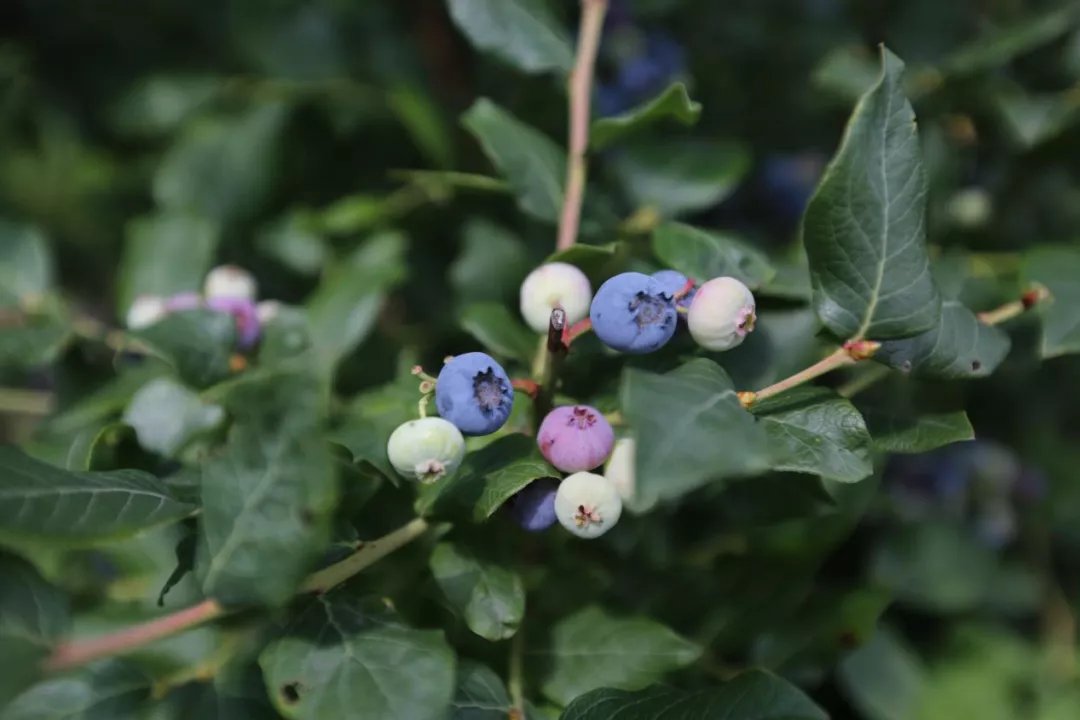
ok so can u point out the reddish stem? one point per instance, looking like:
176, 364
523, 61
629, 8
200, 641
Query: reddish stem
529, 387
575, 331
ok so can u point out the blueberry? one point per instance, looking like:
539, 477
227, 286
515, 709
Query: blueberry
533, 508
587, 505
426, 449
554, 285
674, 282
632, 312
575, 437
244, 313
474, 393
722, 314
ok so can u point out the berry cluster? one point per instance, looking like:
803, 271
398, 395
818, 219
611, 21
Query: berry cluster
631, 312
226, 289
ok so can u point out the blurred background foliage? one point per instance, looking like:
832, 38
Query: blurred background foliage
339, 151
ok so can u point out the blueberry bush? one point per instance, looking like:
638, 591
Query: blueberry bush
478, 359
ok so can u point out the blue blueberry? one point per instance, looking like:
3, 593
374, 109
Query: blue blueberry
533, 508
474, 393
633, 313
673, 281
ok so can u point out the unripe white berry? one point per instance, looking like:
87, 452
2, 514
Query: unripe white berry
267, 311
554, 285
229, 281
722, 314
620, 467
145, 311
426, 449
587, 505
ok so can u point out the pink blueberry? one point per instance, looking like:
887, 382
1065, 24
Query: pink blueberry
575, 438
247, 319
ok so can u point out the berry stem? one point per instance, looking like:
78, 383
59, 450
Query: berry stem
575, 331
1029, 299
69, 655
529, 387
580, 88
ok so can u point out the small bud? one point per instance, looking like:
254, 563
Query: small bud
230, 281
554, 285
426, 449
145, 311
722, 314
587, 505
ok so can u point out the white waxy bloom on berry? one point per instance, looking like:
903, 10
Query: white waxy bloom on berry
587, 505
722, 314
554, 285
230, 281
426, 449
145, 311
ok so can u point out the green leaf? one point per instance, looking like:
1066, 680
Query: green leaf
343, 309
906, 419
530, 161
166, 415
592, 649
846, 72
959, 347
1036, 119
480, 694
490, 596
294, 241
491, 265
268, 495
865, 227
42, 503
883, 679
672, 103
499, 330
598, 262
33, 618
197, 343
690, 429
703, 255
26, 265
488, 478
35, 338
1000, 47
752, 695
159, 104
222, 168
522, 33
815, 431
1058, 269
342, 659
102, 691
681, 176
164, 254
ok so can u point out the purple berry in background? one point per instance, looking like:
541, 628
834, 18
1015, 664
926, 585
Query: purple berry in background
575, 438
183, 301
245, 315
673, 282
533, 508
474, 392
632, 312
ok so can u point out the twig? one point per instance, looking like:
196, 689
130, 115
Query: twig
852, 352
516, 683
581, 79
79, 652
25, 402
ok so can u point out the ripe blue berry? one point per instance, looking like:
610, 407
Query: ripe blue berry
575, 438
674, 282
722, 314
426, 449
633, 313
587, 505
534, 506
474, 392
